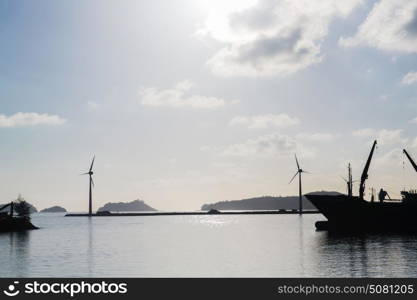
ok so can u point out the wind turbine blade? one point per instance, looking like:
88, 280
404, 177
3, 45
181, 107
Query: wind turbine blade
92, 163
92, 181
84, 173
293, 177
296, 160
306, 172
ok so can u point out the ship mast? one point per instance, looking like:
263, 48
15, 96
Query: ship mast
350, 181
410, 159
365, 172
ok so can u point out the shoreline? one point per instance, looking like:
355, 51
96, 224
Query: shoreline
146, 214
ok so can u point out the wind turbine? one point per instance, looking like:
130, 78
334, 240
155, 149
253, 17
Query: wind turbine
300, 193
90, 173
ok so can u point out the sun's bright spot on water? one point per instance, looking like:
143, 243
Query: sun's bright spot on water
213, 221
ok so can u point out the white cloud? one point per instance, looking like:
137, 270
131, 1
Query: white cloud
316, 137
272, 37
409, 78
384, 97
391, 26
21, 119
266, 146
205, 148
172, 160
414, 143
92, 105
390, 158
179, 96
366, 132
265, 121
226, 174
384, 136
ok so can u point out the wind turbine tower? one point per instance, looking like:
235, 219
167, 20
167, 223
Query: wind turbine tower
300, 193
90, 198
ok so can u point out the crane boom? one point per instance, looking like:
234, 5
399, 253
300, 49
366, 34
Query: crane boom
410, 159
3, 207
365, 172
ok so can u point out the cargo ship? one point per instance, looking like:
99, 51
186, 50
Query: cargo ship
354, 213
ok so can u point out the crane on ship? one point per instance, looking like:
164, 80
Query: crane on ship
410, 159
410, 195
364, 175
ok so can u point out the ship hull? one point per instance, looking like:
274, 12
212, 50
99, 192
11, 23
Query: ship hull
349, 213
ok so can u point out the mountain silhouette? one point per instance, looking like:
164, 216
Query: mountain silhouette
136, 205
261, 203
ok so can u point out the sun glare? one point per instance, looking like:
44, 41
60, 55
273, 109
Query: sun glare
226, 6
217, 21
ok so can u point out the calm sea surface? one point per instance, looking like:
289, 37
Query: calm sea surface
200, 246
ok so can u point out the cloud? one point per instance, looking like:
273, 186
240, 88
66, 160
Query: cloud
222, 173
384, 136
21, 119
390, 158
92, 105
272, 37
409, 78
264, 121
178, 96
414, 143
266, 146
384, 97
316, 137
391, 25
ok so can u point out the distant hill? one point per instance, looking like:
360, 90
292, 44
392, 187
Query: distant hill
32, 208
136, 205
261, 203
325, 193
53, 209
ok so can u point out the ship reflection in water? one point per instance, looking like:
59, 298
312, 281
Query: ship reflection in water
201, 246
374, 255
18, 251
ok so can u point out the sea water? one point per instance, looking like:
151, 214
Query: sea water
200, 246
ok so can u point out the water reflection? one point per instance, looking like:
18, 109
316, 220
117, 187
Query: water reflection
367, 255
301, 244
90, 256
19, 252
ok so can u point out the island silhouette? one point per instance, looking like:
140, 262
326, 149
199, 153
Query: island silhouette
53, 209
262, 203
135, 205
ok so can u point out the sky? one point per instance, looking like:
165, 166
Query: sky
187, 102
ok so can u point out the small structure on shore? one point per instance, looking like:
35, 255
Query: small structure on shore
9, 221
